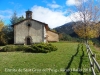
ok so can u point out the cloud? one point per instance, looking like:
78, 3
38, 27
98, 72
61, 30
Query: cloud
74, 2
51, 17
15, 5
11, 3
54, 5
1, 16
76, 16
5, 14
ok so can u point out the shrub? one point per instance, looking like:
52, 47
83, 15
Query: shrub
9, 48
90, 42
36, 48
28, 49
43, 47
21, 47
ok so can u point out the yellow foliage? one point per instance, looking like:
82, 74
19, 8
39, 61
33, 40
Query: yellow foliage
2, 35
90, 42
1, 25
86, 31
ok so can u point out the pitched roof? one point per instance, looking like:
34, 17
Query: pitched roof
46, 25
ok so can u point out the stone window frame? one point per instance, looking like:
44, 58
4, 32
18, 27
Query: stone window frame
29, 24
26, 39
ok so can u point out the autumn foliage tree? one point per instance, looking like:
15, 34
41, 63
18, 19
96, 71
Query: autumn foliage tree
6, 31
3, 41
86, 32
88, 14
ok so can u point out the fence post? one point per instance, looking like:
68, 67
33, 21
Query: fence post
94, 55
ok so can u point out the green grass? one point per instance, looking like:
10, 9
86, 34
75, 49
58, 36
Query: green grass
96, 52
69, 56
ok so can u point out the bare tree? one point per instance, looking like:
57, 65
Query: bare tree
88, 14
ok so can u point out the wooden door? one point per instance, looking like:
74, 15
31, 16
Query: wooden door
28, 41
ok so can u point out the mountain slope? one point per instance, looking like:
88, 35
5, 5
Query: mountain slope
66, 28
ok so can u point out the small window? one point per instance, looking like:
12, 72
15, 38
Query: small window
29, 25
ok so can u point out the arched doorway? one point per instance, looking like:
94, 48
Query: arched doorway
28, 40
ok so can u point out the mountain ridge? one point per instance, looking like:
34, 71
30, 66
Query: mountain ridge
66, 28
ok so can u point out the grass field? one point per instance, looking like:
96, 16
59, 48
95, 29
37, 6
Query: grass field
69, 56
97, 52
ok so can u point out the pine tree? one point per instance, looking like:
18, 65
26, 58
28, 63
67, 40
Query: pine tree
14, 18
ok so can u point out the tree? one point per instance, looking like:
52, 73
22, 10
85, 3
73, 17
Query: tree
14, 18
8, 30
1, 25
88, 14
20, 18
98, 25
3, 40
89, 31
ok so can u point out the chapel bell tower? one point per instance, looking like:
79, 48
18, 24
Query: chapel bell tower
28, 14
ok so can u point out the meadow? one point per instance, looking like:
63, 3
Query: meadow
69, 59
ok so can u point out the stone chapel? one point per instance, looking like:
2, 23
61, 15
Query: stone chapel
30, 31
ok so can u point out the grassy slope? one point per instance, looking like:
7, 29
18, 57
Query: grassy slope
97, 52
68, 55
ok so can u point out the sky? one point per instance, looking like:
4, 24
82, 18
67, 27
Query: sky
52, 12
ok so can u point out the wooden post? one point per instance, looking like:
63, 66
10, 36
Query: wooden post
94, 55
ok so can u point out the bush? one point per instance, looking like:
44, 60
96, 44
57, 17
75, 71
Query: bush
43, 48
90, 42
35, 48
28, 49
21, 47
9, 48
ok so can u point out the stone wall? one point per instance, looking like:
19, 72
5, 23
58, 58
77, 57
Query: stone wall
52, 36
35, 31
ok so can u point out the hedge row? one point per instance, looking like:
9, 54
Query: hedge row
35, 48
